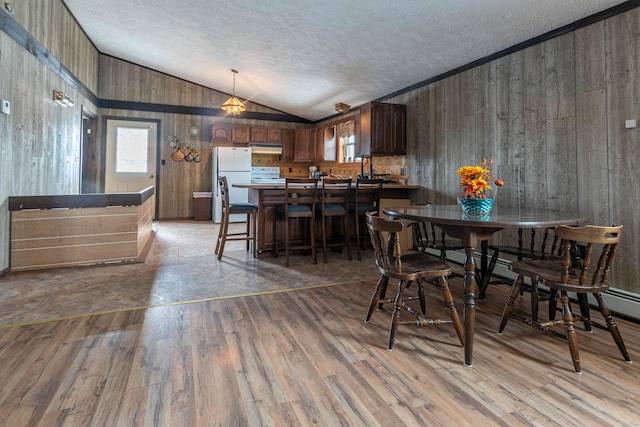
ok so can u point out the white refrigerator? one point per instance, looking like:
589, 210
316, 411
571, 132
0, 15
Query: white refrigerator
235, 164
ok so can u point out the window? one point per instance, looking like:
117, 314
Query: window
347, 142
348, 148
131, 150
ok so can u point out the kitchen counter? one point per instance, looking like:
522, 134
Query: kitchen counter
267, 196
280, 185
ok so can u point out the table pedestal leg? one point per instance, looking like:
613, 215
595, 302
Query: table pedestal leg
470, 287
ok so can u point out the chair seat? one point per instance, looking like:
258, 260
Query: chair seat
419, 266
331, 208
242, 207
362, 207
294, 209
548, 271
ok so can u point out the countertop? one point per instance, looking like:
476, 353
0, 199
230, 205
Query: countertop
281, 186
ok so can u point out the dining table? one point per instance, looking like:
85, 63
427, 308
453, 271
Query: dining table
473, 228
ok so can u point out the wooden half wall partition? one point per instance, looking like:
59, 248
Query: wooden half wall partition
80, 230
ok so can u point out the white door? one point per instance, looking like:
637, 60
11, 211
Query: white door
131, 156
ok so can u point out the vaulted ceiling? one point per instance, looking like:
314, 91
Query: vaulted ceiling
302, 57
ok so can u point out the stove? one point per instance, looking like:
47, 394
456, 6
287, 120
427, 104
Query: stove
265, 174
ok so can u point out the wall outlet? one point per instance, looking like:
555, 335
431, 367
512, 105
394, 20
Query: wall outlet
6, 107
630, 124
403, 171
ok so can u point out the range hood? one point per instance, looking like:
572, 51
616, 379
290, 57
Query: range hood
266, 149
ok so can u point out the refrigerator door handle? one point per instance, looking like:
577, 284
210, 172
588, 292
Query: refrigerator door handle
216, 184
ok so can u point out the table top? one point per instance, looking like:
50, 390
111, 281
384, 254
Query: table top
499, 217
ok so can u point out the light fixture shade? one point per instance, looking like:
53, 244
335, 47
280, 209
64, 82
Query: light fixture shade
233, 106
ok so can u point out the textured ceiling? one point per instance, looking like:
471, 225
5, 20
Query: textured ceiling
302, 57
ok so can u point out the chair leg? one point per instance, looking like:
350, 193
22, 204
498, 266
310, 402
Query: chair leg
224, 228
395, 316
535, 298
248, 221
254, 227
570, 332
346, 236
286, 241
358, 248
451, 308
553, 304
508, 307
312, 228
220, 236
377, 294
584, 311
383, 292
324, 239
612, 327
423, 303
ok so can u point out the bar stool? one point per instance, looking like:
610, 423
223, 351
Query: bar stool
249, 209
334, 204
367, 199
300, 203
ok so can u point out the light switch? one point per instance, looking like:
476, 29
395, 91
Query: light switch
6, 107
630, 124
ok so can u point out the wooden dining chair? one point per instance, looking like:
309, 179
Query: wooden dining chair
590, 275
367, 199
406, 270
248, 209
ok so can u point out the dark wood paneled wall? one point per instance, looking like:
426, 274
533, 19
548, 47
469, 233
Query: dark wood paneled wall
40, 139
177, 180
553, 117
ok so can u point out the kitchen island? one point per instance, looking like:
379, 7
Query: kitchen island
266, 196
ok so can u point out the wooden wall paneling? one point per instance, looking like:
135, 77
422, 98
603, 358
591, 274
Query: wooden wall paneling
591, 123
622, 34
532, 160
559, 58
457, 152
510, 125
560, 93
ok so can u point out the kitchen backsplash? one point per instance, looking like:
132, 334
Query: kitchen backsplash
390, 165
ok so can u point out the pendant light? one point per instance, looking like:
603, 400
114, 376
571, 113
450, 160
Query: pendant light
234, 105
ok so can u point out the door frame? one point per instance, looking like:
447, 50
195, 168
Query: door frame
89, 170
103, 150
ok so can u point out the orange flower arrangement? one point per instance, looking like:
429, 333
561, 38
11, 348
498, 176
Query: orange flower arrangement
475, 180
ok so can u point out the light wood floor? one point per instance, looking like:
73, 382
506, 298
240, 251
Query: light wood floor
246, 342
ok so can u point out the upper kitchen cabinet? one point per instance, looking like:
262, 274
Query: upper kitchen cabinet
259, 134
383, 129
287, 138
262, 135
220, 133
304, 147
274, 136
228, 133
240, 133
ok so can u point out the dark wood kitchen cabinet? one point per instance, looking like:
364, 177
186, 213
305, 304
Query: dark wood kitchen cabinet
383, 129
304, 145
287, 137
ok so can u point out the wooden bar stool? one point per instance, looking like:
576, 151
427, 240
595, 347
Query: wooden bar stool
300, 203
367, 199
334, 204
249, 209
